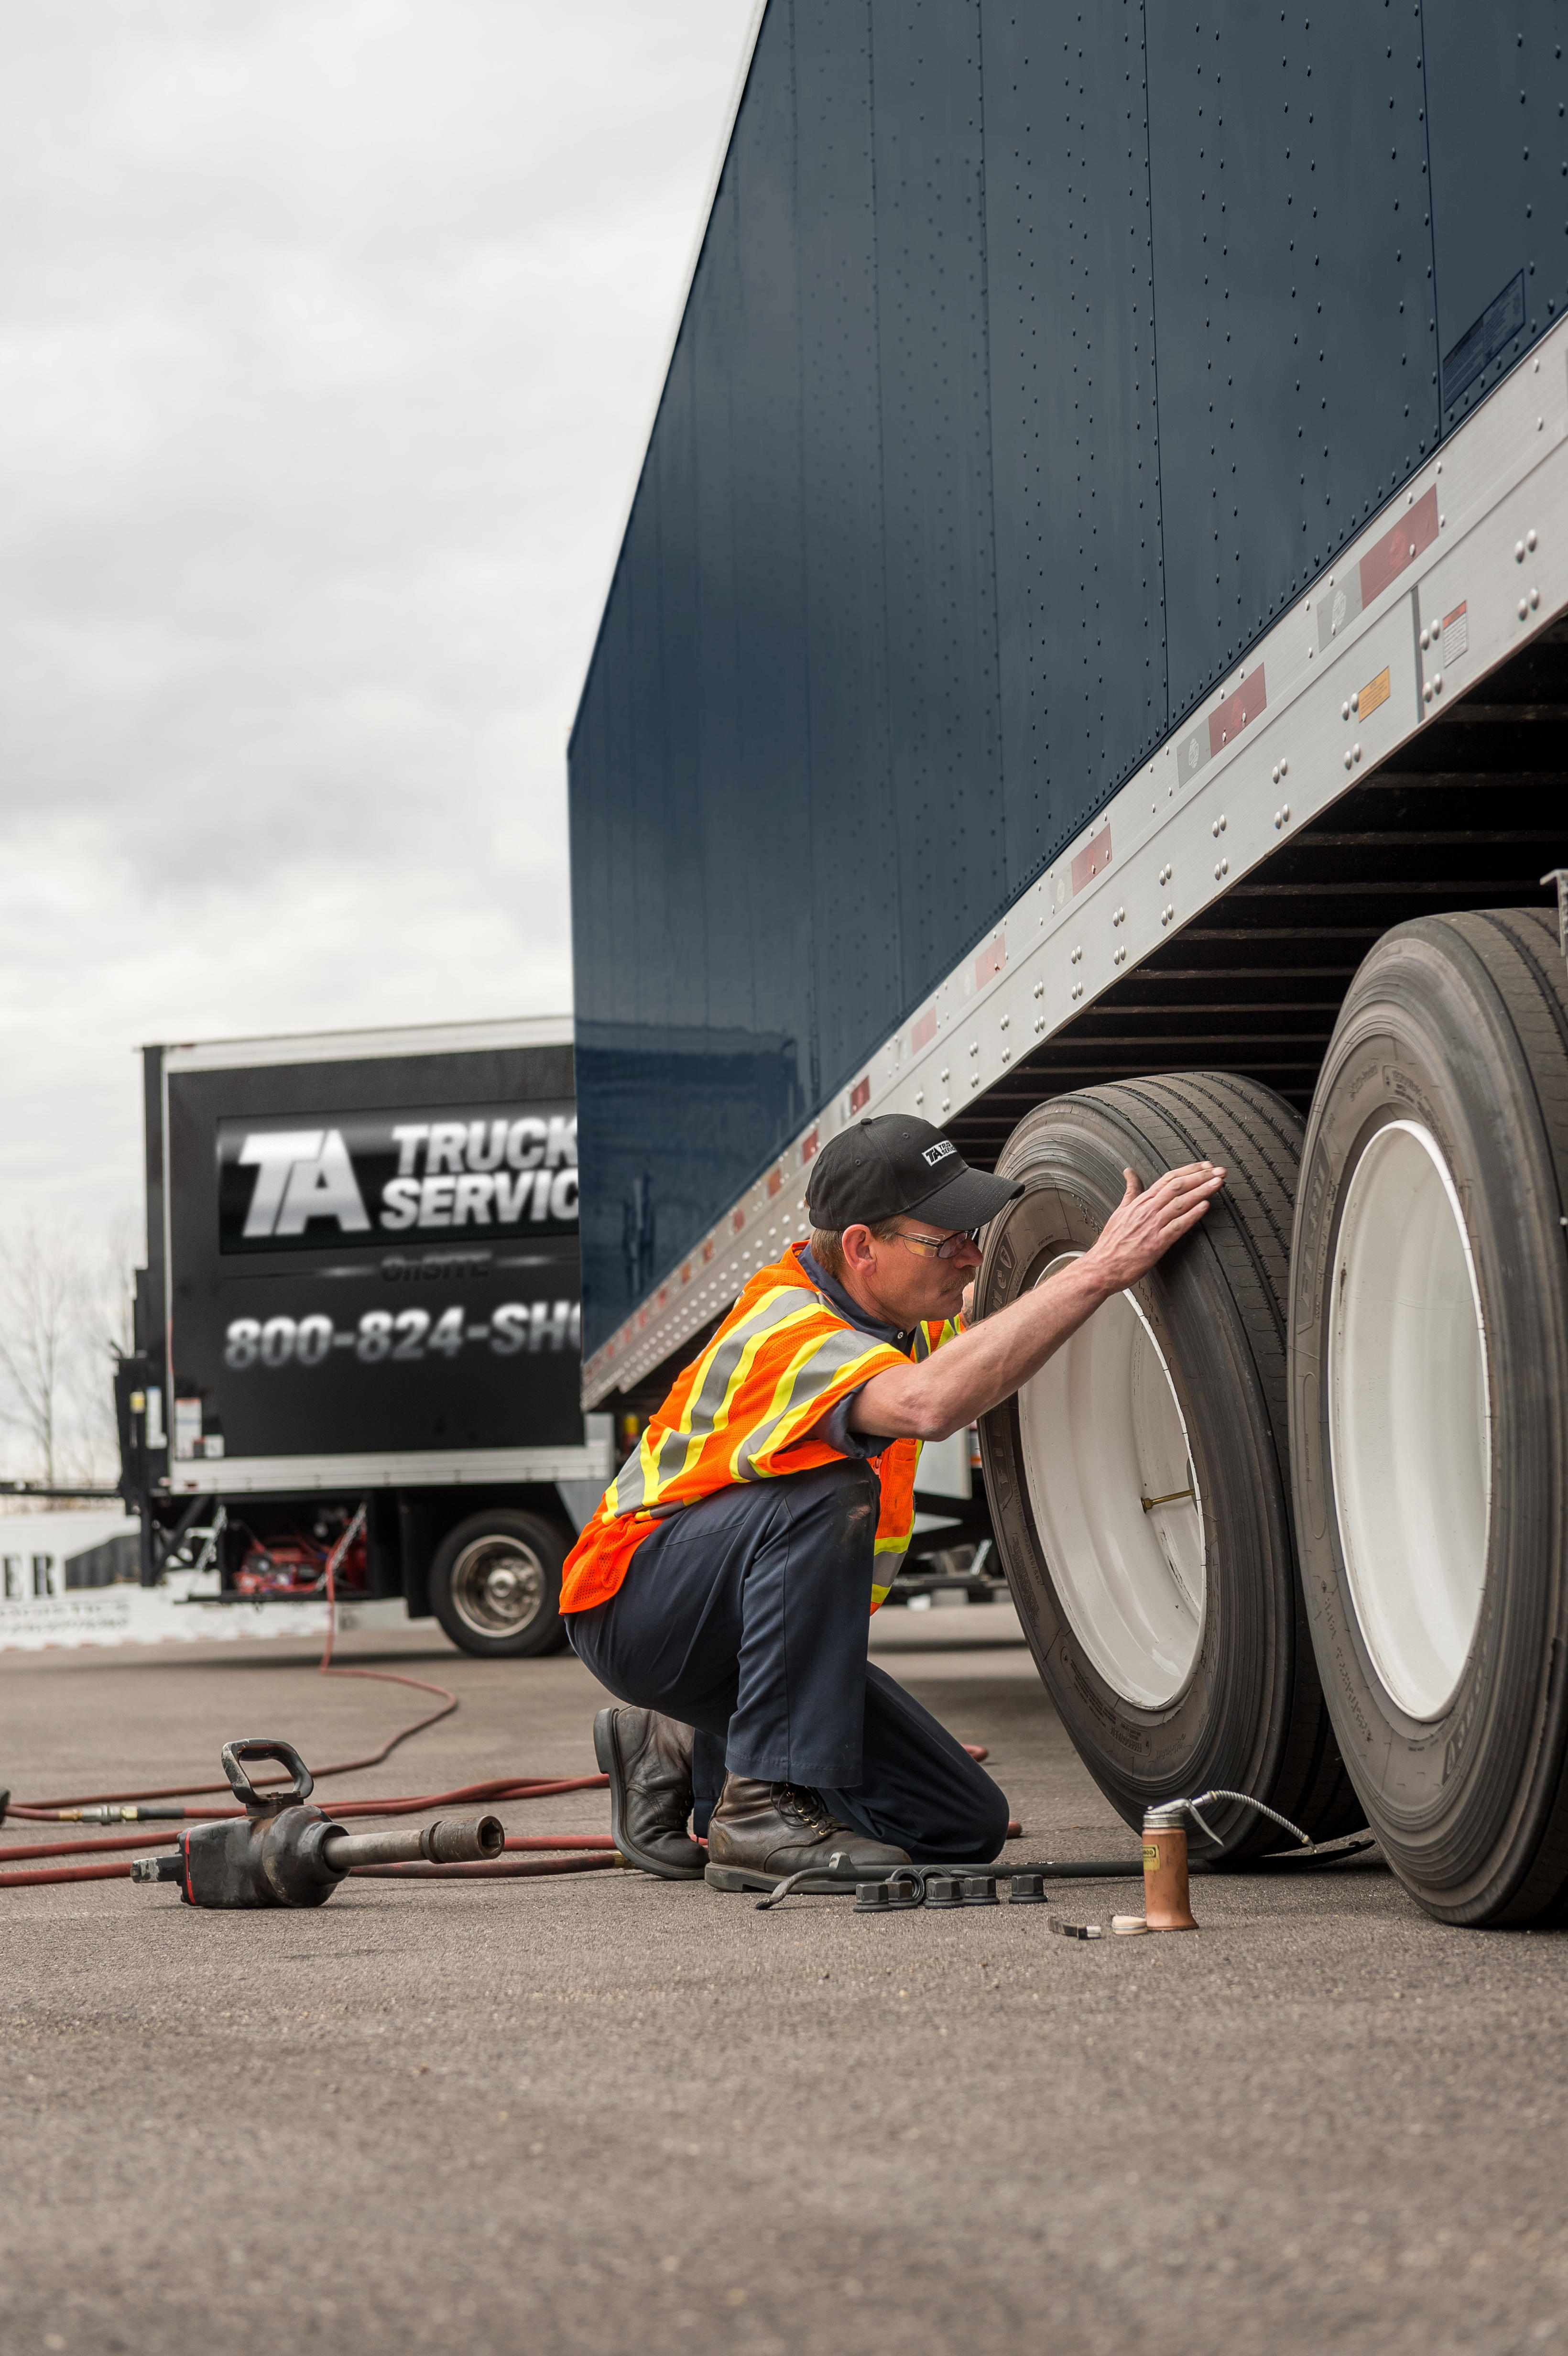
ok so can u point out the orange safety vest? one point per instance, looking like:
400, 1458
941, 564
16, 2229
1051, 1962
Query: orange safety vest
745, 1411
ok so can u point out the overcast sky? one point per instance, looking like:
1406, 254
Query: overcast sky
330, 332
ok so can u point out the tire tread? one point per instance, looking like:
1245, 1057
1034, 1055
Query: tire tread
1257, 1136
1505, 1000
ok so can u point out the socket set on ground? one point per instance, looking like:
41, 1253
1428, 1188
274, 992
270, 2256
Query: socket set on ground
912, 1887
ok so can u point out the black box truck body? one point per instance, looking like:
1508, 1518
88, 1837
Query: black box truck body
358, 1333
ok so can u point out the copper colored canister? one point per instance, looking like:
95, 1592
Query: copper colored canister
1167, 1906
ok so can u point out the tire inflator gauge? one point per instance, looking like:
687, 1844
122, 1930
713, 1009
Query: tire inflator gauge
284, 1852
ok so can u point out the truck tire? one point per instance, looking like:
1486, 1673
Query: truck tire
1138, 1483
494, 1584
1429, 1372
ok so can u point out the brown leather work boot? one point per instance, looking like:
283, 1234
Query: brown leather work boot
648, 1760
761, 1833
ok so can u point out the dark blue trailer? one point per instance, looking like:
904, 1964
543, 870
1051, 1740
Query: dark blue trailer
1086, 664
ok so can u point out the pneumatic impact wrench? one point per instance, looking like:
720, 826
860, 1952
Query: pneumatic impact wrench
283, 1852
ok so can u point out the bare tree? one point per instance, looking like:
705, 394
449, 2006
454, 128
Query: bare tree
41, 1312
65, 1318
91, 1447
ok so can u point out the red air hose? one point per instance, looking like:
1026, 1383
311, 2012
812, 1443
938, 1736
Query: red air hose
65, 1873
499, 1789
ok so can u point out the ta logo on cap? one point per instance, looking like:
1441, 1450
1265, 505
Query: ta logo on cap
932, 1154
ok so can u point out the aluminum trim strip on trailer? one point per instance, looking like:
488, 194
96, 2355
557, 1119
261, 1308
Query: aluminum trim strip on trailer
365, 1046
1474, 552
426, 1469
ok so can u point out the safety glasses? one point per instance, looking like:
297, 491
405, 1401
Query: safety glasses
936, 1247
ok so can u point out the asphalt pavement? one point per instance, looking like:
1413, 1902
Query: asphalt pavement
608, 2114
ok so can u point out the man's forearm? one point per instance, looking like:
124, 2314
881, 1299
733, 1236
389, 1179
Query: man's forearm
979, 1369
982, 1367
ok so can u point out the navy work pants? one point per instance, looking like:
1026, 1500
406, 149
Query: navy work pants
746, 1617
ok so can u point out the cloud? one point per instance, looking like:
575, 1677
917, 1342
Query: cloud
329, 338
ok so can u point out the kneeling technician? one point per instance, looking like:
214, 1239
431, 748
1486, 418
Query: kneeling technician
724, 1587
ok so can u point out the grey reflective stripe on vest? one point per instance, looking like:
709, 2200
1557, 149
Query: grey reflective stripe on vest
630, 1487
831, 1353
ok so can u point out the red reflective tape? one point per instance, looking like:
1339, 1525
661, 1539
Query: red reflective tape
860, 1094
1093, 860
1229, 718
707, 1251
737, 1220
775, 1181
1400, 545
990, 962
808, 1146
924, 1031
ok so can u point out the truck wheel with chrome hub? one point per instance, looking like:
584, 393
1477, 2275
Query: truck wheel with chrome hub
495, 1583
1138, 1483
1429, 1367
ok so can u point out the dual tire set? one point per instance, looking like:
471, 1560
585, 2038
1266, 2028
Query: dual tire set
1290, 1517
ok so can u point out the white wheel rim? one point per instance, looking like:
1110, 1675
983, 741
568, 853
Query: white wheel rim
1409, 1418
1102, 1432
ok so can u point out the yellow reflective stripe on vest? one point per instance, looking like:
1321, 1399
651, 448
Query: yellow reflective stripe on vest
669, 1453
691, 1454
746, 1410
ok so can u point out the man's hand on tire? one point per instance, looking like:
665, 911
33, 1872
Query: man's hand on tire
1150, 1219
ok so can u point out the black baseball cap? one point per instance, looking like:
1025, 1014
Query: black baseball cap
896, 1163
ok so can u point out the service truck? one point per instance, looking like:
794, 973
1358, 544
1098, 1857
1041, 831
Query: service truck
356, 1336
1086, 665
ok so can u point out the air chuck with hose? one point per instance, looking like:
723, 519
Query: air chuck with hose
1163, 1865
